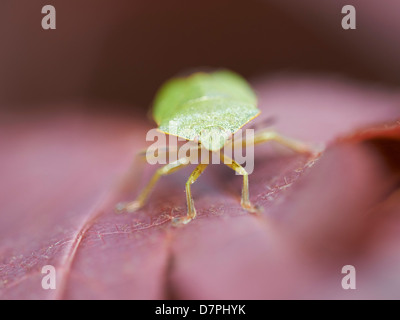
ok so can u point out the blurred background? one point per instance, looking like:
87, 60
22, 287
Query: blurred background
121, 51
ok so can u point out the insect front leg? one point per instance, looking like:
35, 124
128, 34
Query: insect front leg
141, 199
245, 202
191, 211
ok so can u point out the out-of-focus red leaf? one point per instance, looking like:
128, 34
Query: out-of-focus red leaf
62, 176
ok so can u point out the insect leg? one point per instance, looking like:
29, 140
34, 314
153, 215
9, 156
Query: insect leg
271, 135
191, 211
141, 199
142, 154
245, 202
166, 150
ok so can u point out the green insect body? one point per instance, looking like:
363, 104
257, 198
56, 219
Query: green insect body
205, 106
208, 108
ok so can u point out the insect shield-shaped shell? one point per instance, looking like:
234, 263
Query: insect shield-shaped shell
205, 106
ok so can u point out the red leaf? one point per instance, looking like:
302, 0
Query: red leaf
63, 175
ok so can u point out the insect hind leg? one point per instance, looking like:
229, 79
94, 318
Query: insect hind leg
271, 135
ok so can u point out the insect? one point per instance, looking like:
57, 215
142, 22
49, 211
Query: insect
205, 107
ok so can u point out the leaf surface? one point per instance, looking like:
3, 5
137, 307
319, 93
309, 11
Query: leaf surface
62, 176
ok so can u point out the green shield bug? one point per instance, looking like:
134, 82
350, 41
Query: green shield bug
207, 108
